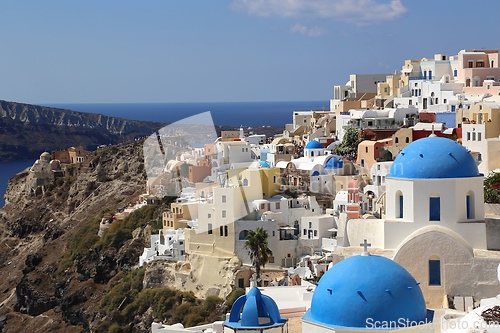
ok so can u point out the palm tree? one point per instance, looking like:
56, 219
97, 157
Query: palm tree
258, 249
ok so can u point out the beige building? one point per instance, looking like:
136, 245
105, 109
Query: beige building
402, 138
179, 215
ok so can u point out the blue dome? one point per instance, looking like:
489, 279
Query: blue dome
435, 157
314, 145
258, 311
334, 163
366, 287
264, 164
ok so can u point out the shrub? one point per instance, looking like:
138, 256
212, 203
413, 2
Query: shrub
121, 230
83, 240
233, 296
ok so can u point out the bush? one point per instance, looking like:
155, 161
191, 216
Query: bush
83, 240
233, 296
492, 188
121, 230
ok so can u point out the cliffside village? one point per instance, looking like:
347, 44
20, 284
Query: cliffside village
412, 192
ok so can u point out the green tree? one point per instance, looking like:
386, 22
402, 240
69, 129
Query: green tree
350, 142
258, 248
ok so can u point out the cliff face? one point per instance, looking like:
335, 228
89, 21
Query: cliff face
26, 130
40, 115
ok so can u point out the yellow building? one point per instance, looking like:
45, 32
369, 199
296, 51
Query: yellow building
215, 233
180, 213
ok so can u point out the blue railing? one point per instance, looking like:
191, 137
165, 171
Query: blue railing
422, 77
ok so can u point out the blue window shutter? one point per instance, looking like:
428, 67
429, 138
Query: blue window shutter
434, 272
400, 206
434, 209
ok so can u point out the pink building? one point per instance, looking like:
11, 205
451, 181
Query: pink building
480, 71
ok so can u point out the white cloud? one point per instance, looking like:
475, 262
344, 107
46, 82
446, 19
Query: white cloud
311, 32
360, 12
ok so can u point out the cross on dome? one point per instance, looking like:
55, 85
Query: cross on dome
365, 246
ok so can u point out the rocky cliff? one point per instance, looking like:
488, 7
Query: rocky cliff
40, 115
28, 130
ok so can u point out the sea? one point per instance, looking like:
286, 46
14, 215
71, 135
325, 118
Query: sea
252, 114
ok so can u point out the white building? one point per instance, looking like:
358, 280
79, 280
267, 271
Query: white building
374, 119
434, 225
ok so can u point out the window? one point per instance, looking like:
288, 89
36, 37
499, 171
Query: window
278, 205
410, 102
434, 271
366, 149
241, 283
480, 64
274, 234
305, 232
310, 224
468, 136
182, 252
478, 136
399, 204
245, 182
471, 64
271, 260
221, 231
243, 235
397, 140
425, 74
209, 215
455, 72
274, 179
223, 213
453, 108
469, 203
434, 208
210, 228
225, 230
315, 233
407, 140
473, 136
223, 198
444, 101
385, 89
419, 92
262, 206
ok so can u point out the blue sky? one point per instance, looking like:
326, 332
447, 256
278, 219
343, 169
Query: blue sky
56, 51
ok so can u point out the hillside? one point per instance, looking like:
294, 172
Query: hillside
58, 275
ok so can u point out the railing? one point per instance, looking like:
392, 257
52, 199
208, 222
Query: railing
422, 77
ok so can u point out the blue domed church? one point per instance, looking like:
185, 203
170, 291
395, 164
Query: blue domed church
366, 292
434, 223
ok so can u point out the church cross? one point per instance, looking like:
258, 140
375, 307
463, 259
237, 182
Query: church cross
365, 246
